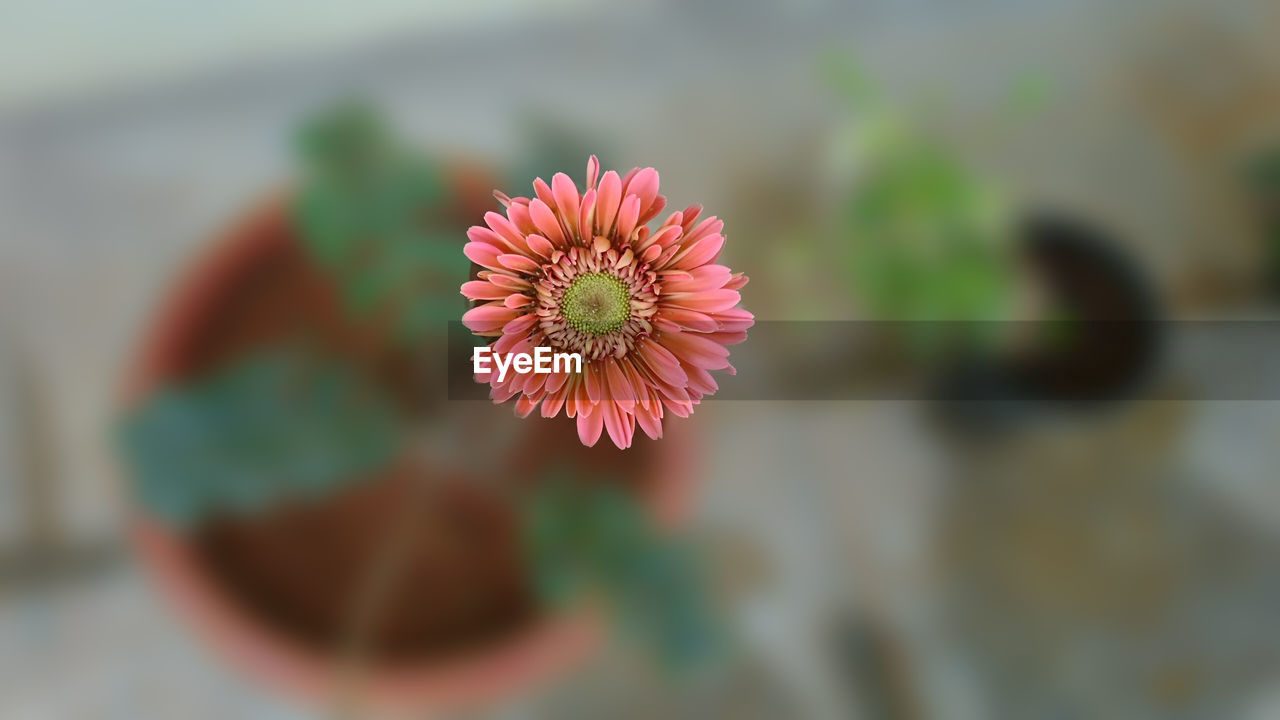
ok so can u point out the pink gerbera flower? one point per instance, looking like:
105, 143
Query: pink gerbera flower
649, 310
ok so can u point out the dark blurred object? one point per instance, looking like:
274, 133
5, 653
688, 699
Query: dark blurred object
1264, 184
1100, 342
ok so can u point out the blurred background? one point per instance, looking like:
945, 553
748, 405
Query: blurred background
1113, 561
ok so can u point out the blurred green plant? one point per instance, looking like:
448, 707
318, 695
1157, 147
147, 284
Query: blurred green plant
278, 424
925, 239
548, 145
595, 539
373, 213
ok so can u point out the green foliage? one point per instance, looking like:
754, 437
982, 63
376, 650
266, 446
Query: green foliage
372, 213
275, 425
927, 240
550, 145
595, 538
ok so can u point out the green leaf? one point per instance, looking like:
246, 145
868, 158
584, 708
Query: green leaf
595, 538
273, 426
370, 211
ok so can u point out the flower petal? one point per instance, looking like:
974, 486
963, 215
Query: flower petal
483, 254
708, 301
607, 199
567, 199
696, 350
488, 317
644, 184
590, 423
628, 215
649, 422
620, 390
547, 222
690, 319
662, 362
620, 424
483, 290
700, 253
507, 231
540, 246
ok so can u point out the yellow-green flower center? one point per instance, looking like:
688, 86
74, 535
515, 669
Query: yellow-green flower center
596, 303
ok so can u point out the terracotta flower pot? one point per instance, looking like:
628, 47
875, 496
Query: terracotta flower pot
182, 342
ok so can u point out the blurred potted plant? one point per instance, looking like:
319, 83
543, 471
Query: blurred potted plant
304, 494
927, 242
1021, 313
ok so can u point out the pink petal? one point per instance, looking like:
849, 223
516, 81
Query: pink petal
590, 423
665, 237
483, 254
518, 214
643, 184
628, 216
525, 405
638, 383
625, 259
519, 263
543, 191
663, 364
659, 203
507, 231
593, 384
541, 246
690, 216
593, 171
620, 390
734, 319
520, 324
711, 226
567, 199
503, 392
620, 425
510, 282
690, 319
699, 279
700, 253
701, 380
557, 380
728, 338
650, 423
696, 350
705, 302
736, 282
666, 325
607, 199
552, 403
488, 317
547, 223
483, 290
587, 215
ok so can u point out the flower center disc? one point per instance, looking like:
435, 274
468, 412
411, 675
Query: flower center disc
596, 303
